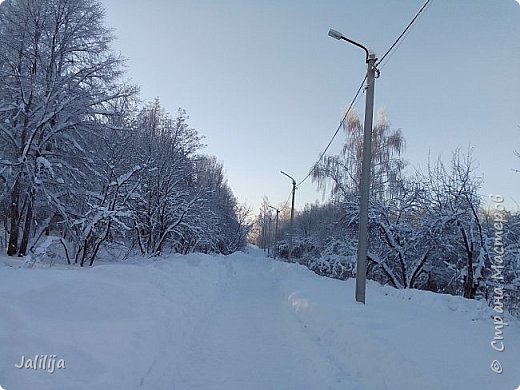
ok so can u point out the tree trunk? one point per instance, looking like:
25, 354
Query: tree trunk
12, 247
469, 290
26, 227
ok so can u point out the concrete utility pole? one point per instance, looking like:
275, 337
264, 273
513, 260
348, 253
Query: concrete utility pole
292, 214
364, 190
263, 235
269, 236
361, 275
275, 251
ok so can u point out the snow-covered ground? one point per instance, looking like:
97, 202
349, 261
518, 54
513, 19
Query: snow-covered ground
240, 322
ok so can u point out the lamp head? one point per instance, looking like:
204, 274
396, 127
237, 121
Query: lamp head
335, 34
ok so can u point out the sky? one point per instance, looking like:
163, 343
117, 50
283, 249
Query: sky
266, 86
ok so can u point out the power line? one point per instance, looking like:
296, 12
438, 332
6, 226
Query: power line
382, 65
336, 132
405, 31
390, 52
287, 201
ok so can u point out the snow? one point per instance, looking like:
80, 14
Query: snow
124, 177
42, 161
240, 322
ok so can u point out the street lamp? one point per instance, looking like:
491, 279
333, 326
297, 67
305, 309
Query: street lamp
339, 36
292, 214
275, 252
364, 188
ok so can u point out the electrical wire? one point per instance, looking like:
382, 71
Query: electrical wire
388, 54
356, 96
383, 64
405, 32
287, 201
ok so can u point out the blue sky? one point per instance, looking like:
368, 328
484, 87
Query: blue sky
266, 86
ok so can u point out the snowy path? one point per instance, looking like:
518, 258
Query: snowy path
240, 322
250, 339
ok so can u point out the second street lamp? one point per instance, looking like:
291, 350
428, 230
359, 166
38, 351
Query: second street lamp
275, 249
364, 188
292, 214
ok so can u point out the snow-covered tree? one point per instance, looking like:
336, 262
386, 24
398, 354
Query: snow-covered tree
225, 221
342, 173
453, 213
167, 192
59, 77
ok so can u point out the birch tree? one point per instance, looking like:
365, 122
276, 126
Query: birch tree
341, 173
